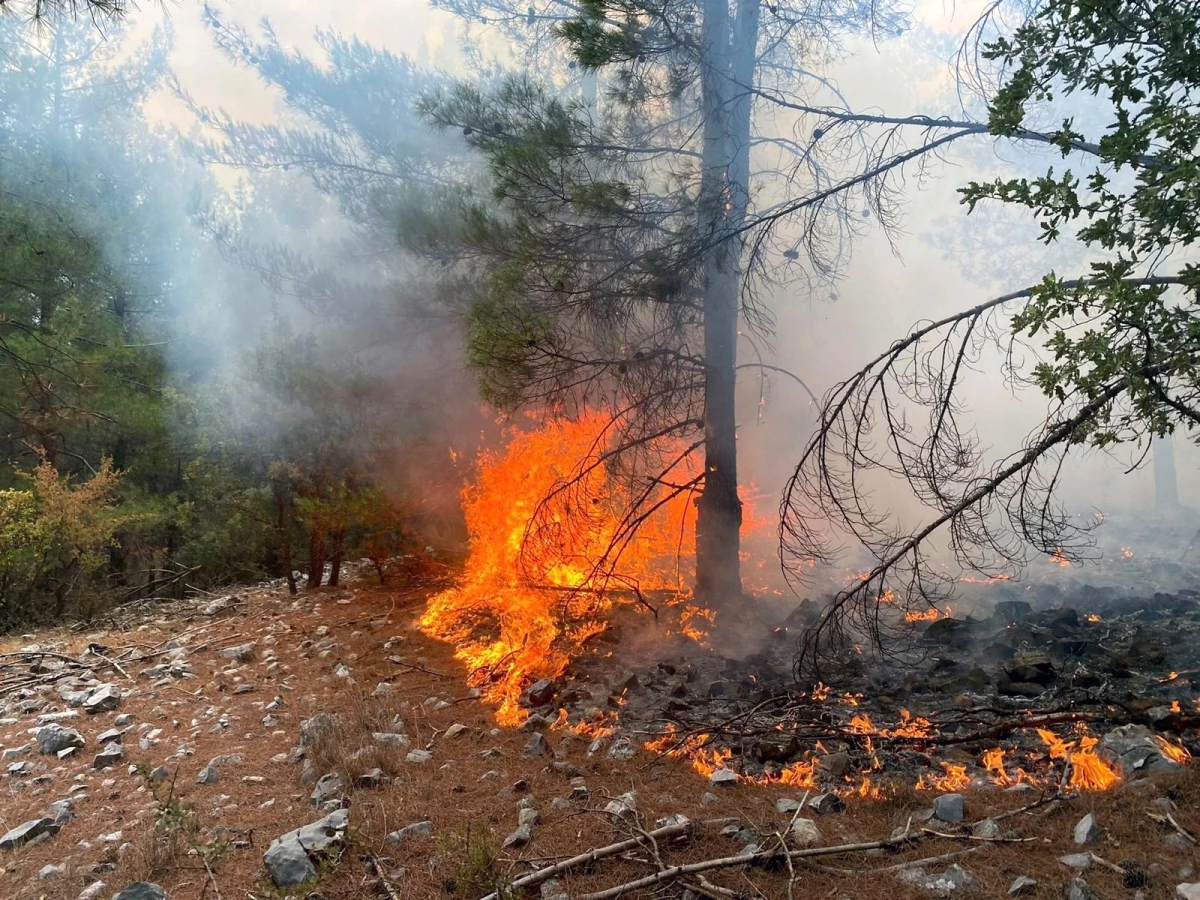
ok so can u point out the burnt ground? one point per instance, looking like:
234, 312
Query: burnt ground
328, 652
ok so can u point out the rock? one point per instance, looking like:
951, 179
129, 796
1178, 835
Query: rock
408, 832
1078, 889
419, 756
54, 738
329, 787
1135, 749
123, 720
19, 769
390, 738
454, 731
519, 838
622, 807
46, 872
372, 778
1021, 886
835, 765
287, 858
319, 726
786, 807
724, 777
552, 889
824, 804
948, 807
539, 693
26, 832
1080, 862
142, 890
287, 862
988, 829
536, 745
528, 816
104, 698
112, 736
622, 750
92, 891
955, 880
109, 756
1011, 612
208, 775
242, 653
1187, 891
804, 833
1088, 830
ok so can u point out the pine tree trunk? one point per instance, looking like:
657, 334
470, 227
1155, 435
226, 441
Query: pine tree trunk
335, 561
316, 557
729, 62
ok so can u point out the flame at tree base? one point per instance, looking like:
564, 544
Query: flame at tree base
552, 551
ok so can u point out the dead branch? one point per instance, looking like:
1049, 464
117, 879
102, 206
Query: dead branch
763, 857
582, 859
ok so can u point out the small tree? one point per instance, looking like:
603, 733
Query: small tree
1115, 349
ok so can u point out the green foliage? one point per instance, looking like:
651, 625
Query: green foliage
1128, 323
53, 543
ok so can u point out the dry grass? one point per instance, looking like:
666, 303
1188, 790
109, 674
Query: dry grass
471, 813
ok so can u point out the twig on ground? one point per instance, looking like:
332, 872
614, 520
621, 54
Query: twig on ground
535, 878
1168, 819
384, 881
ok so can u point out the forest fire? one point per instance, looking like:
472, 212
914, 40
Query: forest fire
551, 551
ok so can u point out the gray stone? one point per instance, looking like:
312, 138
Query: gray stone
416, 830
287, 862
92, 891
824, 804
1135, 750
330, 830
552, 889
528, 816
623, 807
312, 730
724, 777
419, 756
1021, 886
112, 736
948, 807
454, 731
1078, 889
804, 833
1088, 830
61, 811
242, 653
26, 832
19, 769
1187, 891
142, 890
45, 873
13, 752
109, 756
208, 775
539, 693
519, 838
622, 750
536, 745
329, 787
123, 720
786, 807
390, 739
53, 738
104, 698
955, 880
1080, 862
372, 778
988, 829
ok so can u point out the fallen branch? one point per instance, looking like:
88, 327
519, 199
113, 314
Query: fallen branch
1168, 819
745, 859
535, 878
384, 881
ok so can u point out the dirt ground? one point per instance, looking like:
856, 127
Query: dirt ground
329, 650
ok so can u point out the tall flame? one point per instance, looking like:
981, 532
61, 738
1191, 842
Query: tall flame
537, 579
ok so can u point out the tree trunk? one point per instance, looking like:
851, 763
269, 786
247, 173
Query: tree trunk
1166, 489
285, 538
316, 557
728, 56
335, 561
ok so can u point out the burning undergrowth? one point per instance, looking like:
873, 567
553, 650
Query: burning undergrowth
574, 612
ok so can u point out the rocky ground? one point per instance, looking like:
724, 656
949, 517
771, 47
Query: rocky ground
261, 746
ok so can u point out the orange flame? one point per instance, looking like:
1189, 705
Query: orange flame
1088, 771
533, 594
954, 779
